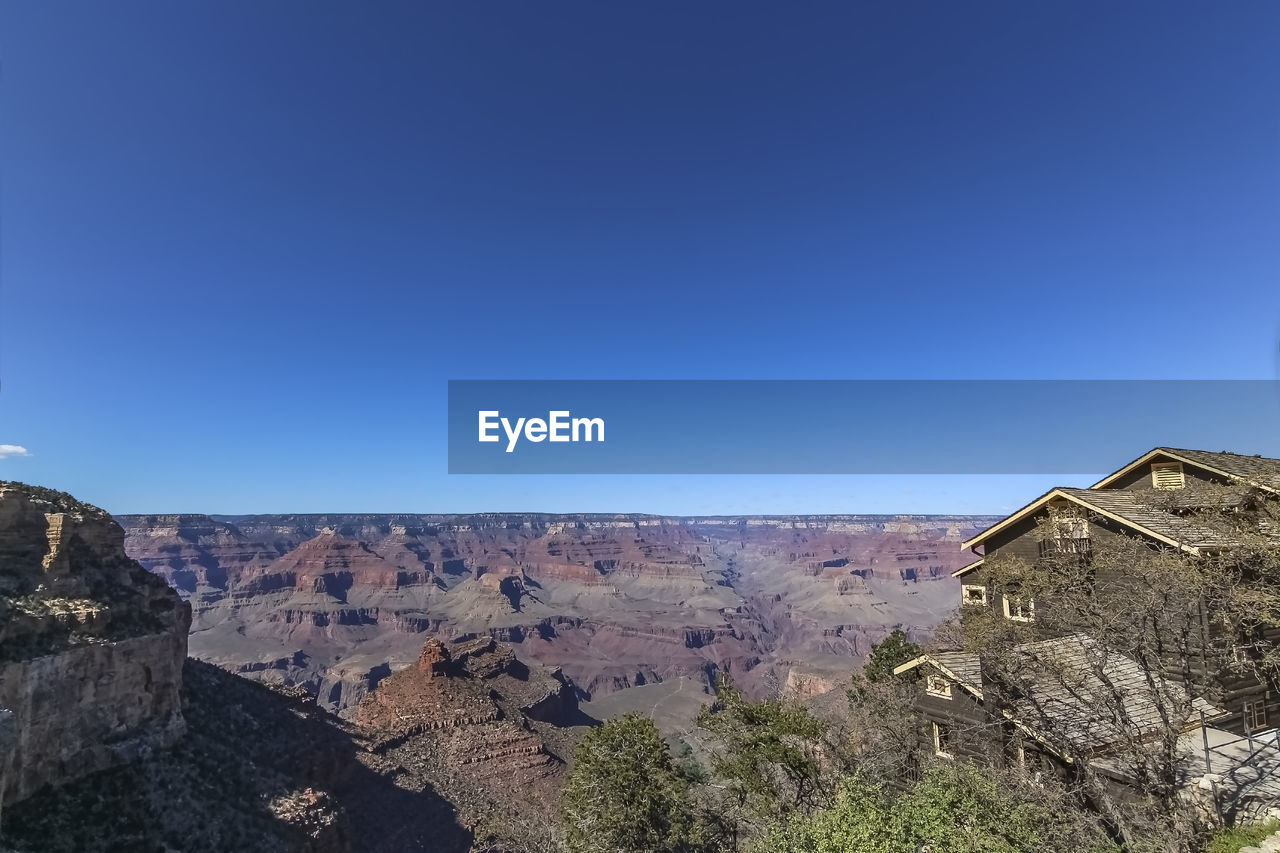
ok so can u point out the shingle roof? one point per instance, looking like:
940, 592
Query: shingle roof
1129, 507
963, 665
1073, 689
1259, 471
1253, 469
1068, 675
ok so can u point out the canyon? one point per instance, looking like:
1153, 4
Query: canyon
336, 603
385, 682
112, 738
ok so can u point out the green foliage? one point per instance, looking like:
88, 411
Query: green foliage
956, 808
625, 795
893, 651
770, 754
1232, 839
689, 767
860, 821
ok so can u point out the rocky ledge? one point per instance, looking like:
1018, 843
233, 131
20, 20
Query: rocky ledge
91, 644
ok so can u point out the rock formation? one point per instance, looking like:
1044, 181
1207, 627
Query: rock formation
91, 644
111, 739
463, 718
334, 603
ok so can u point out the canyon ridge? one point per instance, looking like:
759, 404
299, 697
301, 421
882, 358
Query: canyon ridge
334, 604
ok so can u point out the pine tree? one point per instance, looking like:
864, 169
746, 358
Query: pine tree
625, 795
894, 650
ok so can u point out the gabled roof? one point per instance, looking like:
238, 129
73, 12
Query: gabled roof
1123, 507
1062, 674
959, 573
1259, 471
961, 667
1071, 669
1129, 508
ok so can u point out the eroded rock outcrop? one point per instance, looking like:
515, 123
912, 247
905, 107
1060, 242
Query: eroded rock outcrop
91, 644
462, 716
432, 694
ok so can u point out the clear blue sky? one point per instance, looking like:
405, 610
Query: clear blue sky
244, 245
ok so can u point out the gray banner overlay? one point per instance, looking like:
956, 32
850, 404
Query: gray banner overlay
847, 426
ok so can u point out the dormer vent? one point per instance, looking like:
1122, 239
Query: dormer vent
1167, 475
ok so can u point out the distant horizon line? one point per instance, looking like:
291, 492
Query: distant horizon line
217, 516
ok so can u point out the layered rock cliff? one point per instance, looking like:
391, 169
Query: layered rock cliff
334, 603
91, 643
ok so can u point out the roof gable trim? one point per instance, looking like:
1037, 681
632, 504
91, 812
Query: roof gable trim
1059, 494
1173, 454
941, 667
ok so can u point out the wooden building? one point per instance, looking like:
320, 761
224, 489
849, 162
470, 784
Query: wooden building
957, 717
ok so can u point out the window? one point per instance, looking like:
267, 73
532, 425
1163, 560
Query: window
1255, 715
1019, 609
936, 685
972, 593
1068, 532
1247, 639
1167, 475
942, 740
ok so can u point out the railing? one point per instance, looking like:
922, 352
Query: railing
1066, 547
1262, 761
